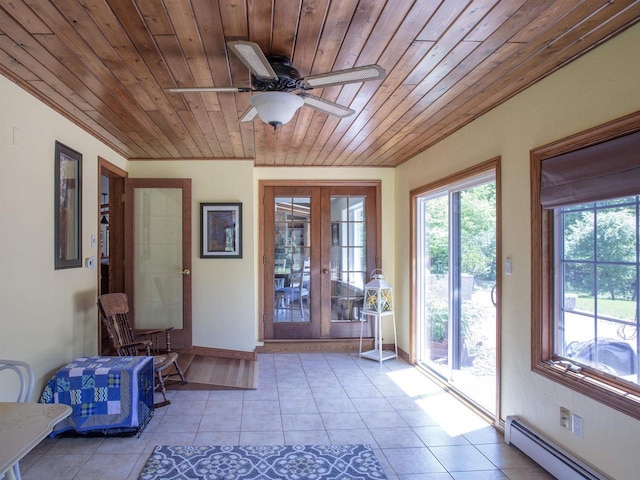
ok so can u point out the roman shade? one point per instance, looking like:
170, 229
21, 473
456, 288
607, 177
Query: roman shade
606, 170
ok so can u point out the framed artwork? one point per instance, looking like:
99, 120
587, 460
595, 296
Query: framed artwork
68, 207
220, 230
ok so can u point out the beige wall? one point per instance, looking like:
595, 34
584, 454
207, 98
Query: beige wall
224, 289
600, 86
47, 316
225, 302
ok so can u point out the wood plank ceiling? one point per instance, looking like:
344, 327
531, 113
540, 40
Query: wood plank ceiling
105, 64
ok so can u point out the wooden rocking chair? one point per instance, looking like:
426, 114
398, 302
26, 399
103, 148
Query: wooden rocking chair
114, 309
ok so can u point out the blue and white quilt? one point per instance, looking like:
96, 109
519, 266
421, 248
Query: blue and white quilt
107, 394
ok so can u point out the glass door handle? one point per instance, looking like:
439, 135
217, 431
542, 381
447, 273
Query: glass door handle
186, 272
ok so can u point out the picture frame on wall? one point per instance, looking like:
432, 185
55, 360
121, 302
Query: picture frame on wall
221, 230
68, 207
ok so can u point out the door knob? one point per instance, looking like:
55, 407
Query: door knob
325, 271
185, 272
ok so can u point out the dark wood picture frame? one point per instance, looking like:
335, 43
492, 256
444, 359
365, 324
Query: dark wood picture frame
68, 207
221, 230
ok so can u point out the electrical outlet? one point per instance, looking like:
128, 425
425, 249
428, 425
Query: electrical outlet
576, 425
90, 263
565, 418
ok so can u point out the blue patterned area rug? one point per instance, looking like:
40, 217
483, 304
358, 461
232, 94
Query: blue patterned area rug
263, 462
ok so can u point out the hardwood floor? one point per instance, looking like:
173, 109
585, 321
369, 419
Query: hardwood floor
207, 372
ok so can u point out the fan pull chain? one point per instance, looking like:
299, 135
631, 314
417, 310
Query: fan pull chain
275, 150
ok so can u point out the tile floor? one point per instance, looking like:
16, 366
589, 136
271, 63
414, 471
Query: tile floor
417, 430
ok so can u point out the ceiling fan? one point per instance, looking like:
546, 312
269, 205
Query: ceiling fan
277, 80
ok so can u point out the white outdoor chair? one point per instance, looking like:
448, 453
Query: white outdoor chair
25, 375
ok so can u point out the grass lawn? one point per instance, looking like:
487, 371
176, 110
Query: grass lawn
622, 309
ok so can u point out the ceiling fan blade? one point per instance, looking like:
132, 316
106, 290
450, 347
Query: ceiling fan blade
326, 106
248, 115
251, 55
206, 89
349, 75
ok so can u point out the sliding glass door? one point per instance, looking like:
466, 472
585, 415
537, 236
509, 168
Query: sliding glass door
455, 226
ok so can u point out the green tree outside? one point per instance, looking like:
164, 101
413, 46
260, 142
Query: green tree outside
477, 224
615, 245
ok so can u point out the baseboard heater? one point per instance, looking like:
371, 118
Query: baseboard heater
558, 462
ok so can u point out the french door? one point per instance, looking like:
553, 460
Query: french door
320, 244
455, 228
158, 255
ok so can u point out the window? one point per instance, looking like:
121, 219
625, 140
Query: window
585, 262
597, 269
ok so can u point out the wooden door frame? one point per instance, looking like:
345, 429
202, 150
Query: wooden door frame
185, 185
262, 184
117, 178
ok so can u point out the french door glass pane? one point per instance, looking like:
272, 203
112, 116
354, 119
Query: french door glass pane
158, 258
348, 261
292, 243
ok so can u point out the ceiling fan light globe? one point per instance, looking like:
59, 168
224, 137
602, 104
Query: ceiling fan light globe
276, 108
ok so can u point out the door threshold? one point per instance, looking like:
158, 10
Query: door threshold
314, 345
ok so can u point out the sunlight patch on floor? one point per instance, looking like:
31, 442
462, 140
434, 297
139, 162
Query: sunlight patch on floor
413, 383
453, 416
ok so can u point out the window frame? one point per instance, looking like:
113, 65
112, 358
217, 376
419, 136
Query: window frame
618, 394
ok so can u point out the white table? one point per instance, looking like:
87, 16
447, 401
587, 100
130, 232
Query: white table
23, 426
